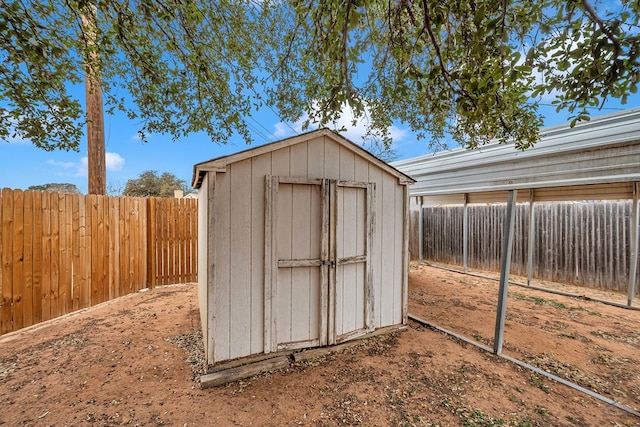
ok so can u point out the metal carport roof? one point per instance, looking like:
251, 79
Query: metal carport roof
603, 153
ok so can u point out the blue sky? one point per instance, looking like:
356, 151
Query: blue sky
23, 165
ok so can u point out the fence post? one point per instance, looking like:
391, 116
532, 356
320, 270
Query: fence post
635, 236
532, 236
465, 233
505, 264
420, 230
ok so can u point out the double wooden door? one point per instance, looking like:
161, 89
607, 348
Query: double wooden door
318, 284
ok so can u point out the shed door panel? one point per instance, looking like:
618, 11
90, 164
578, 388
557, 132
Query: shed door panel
299, 233
352, 260
318, 287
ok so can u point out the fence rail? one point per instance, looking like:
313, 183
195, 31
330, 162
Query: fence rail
62, 252
582, 243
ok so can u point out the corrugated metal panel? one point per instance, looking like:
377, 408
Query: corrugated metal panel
614, 191
447, 199
488, 197
604, 150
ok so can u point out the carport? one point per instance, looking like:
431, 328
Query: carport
596, 160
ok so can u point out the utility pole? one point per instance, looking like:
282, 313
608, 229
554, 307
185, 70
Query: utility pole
95, 116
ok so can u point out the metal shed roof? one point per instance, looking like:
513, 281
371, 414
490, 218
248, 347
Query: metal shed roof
604, 151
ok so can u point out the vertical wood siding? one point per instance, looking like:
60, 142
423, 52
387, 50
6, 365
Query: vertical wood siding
581, 243
64, 252
238, 221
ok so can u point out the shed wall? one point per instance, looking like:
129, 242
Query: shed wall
237, 296
203, 276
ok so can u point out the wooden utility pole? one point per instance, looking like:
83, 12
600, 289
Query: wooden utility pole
97, 170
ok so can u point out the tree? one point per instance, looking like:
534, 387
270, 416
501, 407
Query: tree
150, 184
472, 68
58, 187
176, 67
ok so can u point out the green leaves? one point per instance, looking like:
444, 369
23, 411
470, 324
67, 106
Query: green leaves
439, 74
474, 69
184, 67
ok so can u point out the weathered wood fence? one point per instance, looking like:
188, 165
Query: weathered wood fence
582, 243
63, 252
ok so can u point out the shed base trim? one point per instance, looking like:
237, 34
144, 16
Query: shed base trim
246, 367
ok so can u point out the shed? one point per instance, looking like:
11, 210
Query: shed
304, 243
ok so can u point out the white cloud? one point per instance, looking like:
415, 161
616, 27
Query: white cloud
114, 161
355, 133
83, 167
281, 130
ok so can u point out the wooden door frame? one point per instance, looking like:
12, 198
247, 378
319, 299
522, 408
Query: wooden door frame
272, 263
369, 231
328, 257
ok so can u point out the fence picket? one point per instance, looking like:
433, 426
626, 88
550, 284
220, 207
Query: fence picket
151, 238
84, 254
6, 251
65, 294
17, 258
37, 258
27, 260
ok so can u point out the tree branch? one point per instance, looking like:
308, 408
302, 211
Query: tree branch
345, 60
591, 13
436, 46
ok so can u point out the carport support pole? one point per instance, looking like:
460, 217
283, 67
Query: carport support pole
532, 236
420, 230
635, 236
465, 233
505, 265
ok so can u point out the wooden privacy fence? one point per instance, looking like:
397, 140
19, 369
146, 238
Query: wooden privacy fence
62, 252
582, 243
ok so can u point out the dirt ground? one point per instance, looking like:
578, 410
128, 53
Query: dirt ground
136, 361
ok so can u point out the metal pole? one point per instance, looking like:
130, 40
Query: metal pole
633, 267
532, 236
420, 230
505, 264
465, 234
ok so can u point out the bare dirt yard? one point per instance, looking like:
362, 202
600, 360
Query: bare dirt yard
137, 360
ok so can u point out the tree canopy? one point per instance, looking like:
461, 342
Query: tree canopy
58, 187
150, 184
473, 68
176, 67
